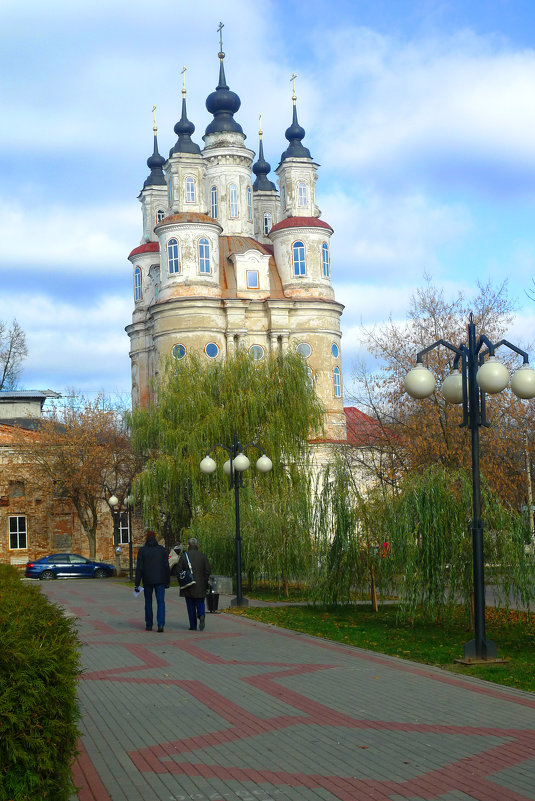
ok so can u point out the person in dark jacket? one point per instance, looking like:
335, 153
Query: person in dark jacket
152, 570
195, 594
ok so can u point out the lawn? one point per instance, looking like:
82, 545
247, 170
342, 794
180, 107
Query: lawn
431, 644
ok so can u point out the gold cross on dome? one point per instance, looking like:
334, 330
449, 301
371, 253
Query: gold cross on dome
154, 128
260, 126
183, 73
220, 32
294, 96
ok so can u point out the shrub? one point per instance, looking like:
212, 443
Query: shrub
39, 665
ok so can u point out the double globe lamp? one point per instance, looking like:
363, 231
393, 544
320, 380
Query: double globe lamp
492, 377
240, 463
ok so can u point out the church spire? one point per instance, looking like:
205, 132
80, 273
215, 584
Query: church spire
261, 167
223, 103
155, 162
295, 133
184, 128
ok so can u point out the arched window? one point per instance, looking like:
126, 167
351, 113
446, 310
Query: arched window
213, 201
173, 260
204, 256
325, 259
337, 383
267, 223
160, 214
137, 284
171, 193
298, 251
301, 194
190, 189
233, 200
249, 203
283, 197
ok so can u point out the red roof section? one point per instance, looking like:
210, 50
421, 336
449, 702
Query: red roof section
362, 430
300, 222
7, 434
148, 247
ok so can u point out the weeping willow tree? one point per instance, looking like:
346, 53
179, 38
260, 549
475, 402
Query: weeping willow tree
199, 405
351, 558
427, 526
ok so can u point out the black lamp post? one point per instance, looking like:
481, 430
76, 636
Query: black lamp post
234, 467
477, 377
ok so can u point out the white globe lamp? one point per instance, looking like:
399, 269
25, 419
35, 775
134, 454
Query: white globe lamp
208, 465
452, 388
523, 382
241, 462
419, 382
492, 376
226, 467
264, 464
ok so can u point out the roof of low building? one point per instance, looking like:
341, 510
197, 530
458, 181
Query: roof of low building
301, 222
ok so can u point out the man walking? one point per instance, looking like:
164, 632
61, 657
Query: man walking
152, 569
195, 593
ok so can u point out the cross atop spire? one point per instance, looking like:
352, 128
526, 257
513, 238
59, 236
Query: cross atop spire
294, 96
154, 127
183, 72
260, 126
220, 32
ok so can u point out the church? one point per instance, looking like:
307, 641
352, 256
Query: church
228, 260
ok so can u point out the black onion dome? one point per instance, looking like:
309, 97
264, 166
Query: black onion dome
294, 134
223, 104
184, 129
261, 168
155, 164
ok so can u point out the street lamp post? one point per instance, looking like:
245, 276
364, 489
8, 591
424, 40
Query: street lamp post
469, 387
234, 467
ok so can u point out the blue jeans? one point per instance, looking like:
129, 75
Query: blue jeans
195, 609
159, 591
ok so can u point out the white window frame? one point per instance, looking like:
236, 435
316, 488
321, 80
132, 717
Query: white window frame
325, 260
213, 201
255, 276
18, 532
299, 264
337, 382
250, 203
189, 185
268, 222
160, 214
233, 201
173, 261
138, 282
123, 528
302, 195
203, 249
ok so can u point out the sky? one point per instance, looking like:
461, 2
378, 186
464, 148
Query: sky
421, 114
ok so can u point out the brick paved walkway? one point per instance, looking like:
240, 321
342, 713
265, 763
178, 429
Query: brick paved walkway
248, 712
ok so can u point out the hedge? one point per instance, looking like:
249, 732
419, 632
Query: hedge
39, 665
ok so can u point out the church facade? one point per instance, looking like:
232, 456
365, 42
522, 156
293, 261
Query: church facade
230, 261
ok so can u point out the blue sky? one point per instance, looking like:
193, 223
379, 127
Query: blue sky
420, 112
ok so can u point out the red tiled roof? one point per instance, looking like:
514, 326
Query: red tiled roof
300, 222
188, 216
362, 430
7, 434
148, 247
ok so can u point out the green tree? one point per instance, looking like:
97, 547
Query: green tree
199, 405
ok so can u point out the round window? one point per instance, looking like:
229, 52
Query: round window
256, 352
335, 350
179, 351
304, 349
211, 350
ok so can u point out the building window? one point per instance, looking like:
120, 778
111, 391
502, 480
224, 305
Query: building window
172, 256
171, 193
337, 383
179, 351
137, 284
160, 214
325, 259
233, 200
17, 533
253, 281
123, 529
211, 350
335, 350
213, 201
298, 250
283, 197
204, 256
249, 203
267, 223
301, 194
304, 349
256, 352
190, 189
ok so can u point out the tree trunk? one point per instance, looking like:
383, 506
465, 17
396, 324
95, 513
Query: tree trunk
373, 590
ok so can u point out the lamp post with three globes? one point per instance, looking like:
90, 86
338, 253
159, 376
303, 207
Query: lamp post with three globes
478, 375
234, 467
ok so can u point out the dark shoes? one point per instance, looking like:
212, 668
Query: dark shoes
148, 628
160, 629
201, 622
192, 629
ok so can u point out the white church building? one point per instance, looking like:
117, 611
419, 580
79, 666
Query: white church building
229, 260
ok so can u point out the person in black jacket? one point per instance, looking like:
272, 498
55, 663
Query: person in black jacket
195, 593
152, 569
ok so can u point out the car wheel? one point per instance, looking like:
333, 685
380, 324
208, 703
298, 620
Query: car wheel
47, 574
100, 573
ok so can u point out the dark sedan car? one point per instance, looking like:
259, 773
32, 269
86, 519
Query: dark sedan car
67, 565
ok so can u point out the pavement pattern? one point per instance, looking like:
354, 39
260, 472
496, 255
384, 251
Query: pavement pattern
244, 711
